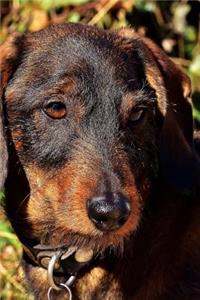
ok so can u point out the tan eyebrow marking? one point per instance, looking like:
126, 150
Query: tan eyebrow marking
68, 87
126, 105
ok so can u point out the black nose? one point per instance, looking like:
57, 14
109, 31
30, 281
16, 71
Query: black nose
109, 211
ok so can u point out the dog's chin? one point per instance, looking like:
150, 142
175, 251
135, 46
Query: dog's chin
111, 241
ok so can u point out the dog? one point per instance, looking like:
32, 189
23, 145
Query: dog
99, 165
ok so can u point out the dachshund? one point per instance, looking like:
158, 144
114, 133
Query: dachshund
99, 165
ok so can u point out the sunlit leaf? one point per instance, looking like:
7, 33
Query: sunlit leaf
21, 27
73, 17
39, 20
6, 237
196, 114
49, 4
180, 11
2, 197
190, 34
195, 66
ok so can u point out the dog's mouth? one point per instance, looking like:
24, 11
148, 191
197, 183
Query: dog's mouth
81, 248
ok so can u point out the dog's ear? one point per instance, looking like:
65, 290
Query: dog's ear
8, 60
172, 88
3, 151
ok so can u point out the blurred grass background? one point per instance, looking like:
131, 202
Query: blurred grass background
173, 25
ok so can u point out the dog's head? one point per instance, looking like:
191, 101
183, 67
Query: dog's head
92, 119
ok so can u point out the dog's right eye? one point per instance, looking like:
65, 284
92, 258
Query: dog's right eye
55, 109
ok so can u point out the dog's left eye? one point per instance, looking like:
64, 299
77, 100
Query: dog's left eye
55, 110
136, 115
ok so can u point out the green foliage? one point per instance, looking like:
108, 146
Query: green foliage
7, 238
196, 114
51, 4
2, 196
73, 17
195, 66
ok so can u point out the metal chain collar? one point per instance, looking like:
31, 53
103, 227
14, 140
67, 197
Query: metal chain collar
62, 286
61, 260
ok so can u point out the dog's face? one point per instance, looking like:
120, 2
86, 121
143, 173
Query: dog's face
85, 114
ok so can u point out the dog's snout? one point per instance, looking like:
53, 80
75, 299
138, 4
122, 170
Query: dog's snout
108, 211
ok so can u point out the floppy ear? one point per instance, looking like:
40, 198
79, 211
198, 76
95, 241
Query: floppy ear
8, 55
172, 88
3, 151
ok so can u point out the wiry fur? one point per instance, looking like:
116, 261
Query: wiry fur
56, 165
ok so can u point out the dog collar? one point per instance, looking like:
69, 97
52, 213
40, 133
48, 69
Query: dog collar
64, 261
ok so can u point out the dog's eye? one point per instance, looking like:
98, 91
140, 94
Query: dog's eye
136, 115
55, 110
